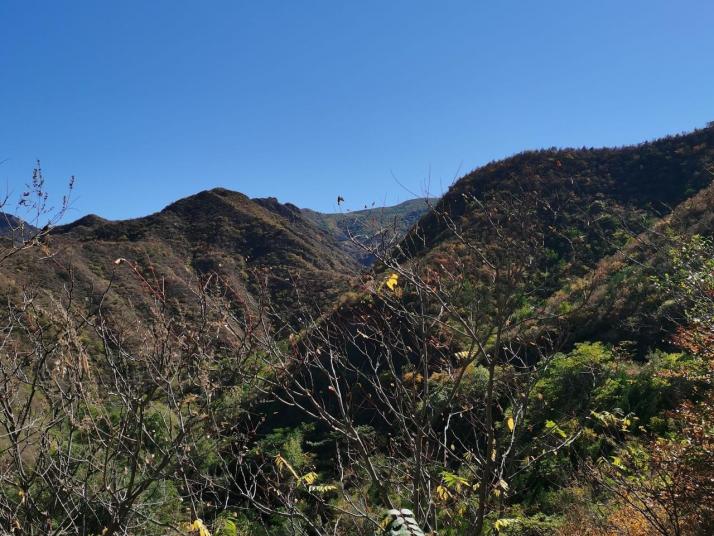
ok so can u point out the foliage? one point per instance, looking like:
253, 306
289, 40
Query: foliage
535, 358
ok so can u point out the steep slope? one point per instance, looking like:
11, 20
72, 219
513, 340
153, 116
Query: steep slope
627, 304
603, 200
263, 252
651, 178
372, 227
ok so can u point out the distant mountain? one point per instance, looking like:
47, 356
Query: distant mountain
371, 227
263, 251
13, 226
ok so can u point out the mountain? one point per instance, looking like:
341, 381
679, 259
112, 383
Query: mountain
13, 226
650, 178
261, 250
371, 227
591, 206
588, 205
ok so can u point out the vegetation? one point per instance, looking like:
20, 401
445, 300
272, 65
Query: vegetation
534, 357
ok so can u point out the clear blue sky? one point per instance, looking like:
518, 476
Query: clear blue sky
149, 101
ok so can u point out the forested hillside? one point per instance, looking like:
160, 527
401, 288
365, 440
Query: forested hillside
533, 357
260, 250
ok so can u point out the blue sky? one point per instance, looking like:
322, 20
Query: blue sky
149, 101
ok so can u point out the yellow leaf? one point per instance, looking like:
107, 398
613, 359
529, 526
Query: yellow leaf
199, 527
510, 423
617, 462
442, 493
282, 463
309, 478
503, 523
392, 281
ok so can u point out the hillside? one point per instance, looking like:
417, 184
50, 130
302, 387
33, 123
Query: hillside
639, 311
261, 250
650, 178
662, 185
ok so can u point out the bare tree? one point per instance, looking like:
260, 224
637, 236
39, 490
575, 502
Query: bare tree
34, 217
103, 425
424, 378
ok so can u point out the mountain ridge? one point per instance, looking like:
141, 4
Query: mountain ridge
346, 228
620, 173
259, 250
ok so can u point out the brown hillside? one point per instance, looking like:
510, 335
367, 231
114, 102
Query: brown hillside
262, 251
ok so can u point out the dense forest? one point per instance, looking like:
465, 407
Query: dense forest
532, 354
